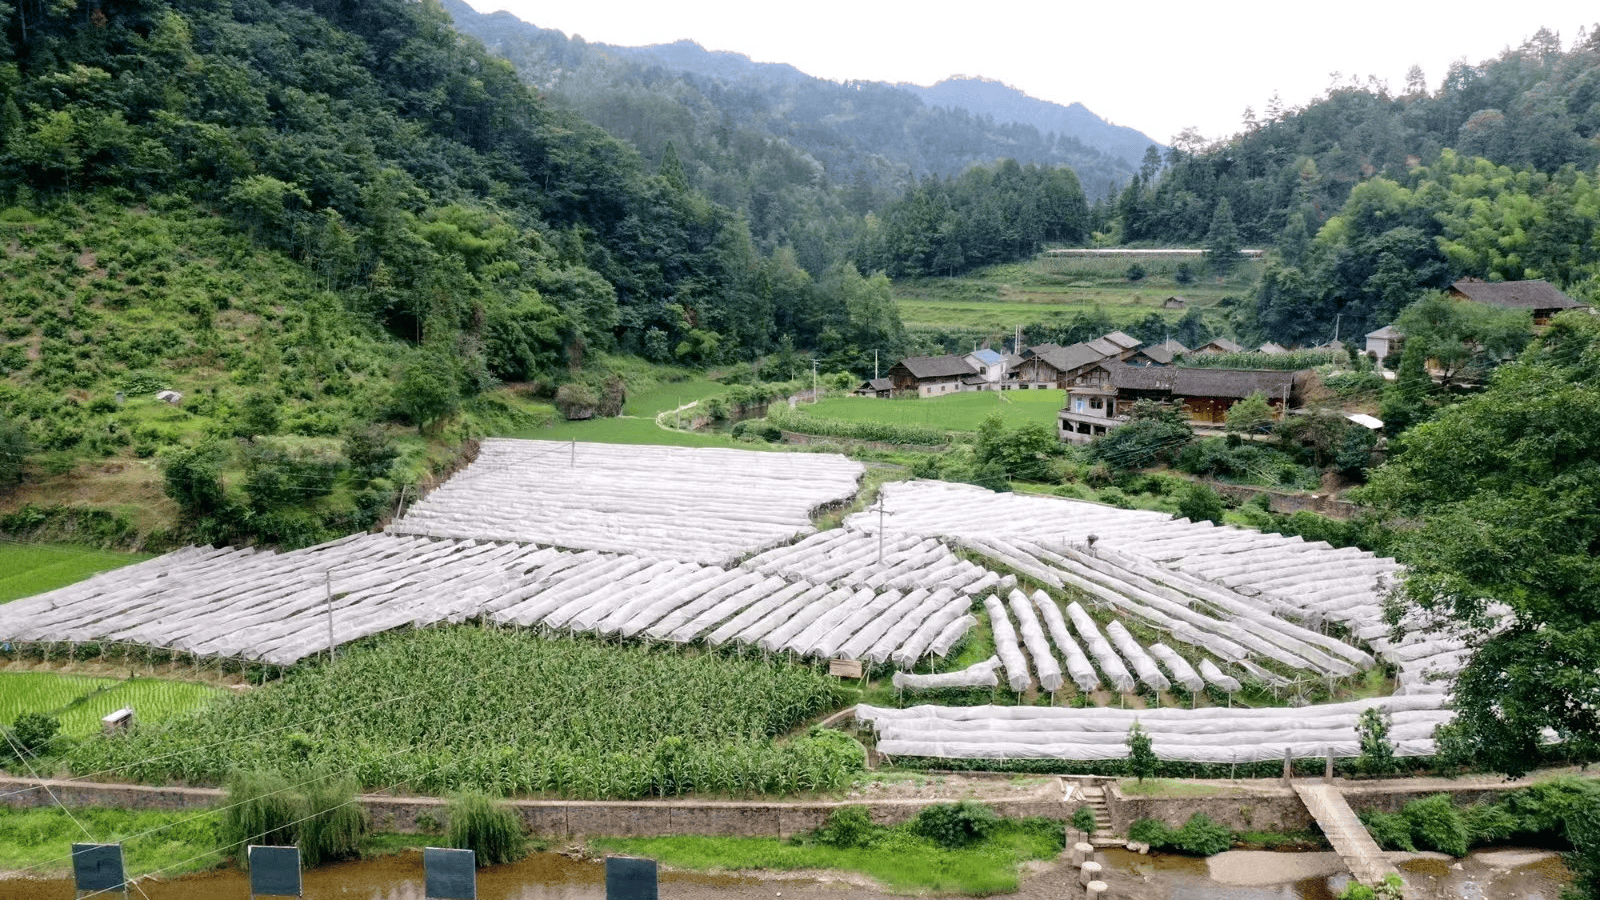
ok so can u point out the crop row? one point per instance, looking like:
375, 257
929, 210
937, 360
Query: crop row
467, 707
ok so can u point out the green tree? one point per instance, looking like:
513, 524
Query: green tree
429, 388
1251, 415
1222, 239
1023, 453
1507, 487
1372, 734
1142, 759
1461, 339
193, 479
13, 452
1154, 433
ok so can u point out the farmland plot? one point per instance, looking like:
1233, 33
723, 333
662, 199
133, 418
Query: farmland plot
703, 505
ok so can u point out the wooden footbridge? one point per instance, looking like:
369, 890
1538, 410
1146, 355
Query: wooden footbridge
1367, 863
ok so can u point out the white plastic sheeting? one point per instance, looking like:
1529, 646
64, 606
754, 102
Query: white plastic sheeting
1005, 644
1182, 672
707, 505
1136, 657
1044, 662
1078, 665
983, 674
1214, 675
1207, 735
1110, 664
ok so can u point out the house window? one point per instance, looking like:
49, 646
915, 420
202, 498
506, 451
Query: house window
1096, 403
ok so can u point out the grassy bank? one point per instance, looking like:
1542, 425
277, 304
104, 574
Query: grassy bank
956, 412
900, 861
28, 569
38, 842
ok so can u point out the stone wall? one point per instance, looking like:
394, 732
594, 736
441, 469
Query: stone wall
551, 818
1262, 808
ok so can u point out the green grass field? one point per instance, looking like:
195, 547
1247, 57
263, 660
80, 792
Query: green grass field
80, 701
28, 569
1051, 292
957, 412
641, 430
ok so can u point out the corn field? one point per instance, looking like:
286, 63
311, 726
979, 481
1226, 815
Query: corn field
506, 713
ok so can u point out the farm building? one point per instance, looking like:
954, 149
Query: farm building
1272, 349
1206, 395
876, 387
1385, 341
991, 366
931, 376
1160, 354
1219, 345
1539, 297
1055, 366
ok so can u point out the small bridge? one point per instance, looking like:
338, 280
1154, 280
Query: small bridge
1360, 853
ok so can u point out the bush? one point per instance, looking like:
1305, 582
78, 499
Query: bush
1436, 824
319, 815
1199, 503
1390, 830
491, 830
30, 734
1198, 837
1083, 819
848, 826
955, 825
576, 401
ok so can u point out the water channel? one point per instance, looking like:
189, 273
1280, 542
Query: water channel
1500, 874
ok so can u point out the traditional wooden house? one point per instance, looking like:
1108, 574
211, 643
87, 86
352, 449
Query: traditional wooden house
1055, 366
1271, 349
1160, 354
1206, 394
882, 388
930, 376
1539, 297
1219, 345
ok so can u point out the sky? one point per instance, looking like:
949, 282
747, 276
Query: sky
1153, 65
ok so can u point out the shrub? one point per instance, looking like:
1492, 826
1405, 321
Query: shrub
1083, 819
1436, 824
1199, 503
1150, 831
955, 825
848, 826
319, 815
490, 830
576, 401
1372, 730
1141, 754
1202, 837
30, 734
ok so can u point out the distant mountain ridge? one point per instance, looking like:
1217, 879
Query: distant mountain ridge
984, 96
886, 137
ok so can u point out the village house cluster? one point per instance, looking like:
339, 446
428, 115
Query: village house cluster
1105, 377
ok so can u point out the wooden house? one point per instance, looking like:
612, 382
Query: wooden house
1538, 297
1385, 341
930, 376
1219, 345
1206, 394
881, 388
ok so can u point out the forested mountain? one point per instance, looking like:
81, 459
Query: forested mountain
791, 151
430, 225
1374, 197
984, 96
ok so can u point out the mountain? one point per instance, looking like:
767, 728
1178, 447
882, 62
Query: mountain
985, 97
870, 139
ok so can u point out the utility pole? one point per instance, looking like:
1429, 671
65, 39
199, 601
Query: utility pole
328, 576
880, 526
874, 365
572, 463
813, 380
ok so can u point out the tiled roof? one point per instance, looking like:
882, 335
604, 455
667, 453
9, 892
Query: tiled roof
1203, 382
937, 366
1516, 294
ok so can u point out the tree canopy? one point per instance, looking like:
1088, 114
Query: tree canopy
1507, 486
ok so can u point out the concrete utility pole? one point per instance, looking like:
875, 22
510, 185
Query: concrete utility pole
874, 365
328, 576
880, 526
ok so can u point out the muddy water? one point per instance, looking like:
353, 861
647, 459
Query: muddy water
1237, 875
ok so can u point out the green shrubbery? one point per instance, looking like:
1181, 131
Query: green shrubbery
881, 432
315, 810
492, 831
955, 825
1198, 837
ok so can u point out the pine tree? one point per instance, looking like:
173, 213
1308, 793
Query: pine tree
1222, 241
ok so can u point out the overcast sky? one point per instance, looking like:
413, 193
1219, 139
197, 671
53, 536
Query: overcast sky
1154, 65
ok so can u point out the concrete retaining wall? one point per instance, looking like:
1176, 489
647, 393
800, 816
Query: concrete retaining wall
554, 818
